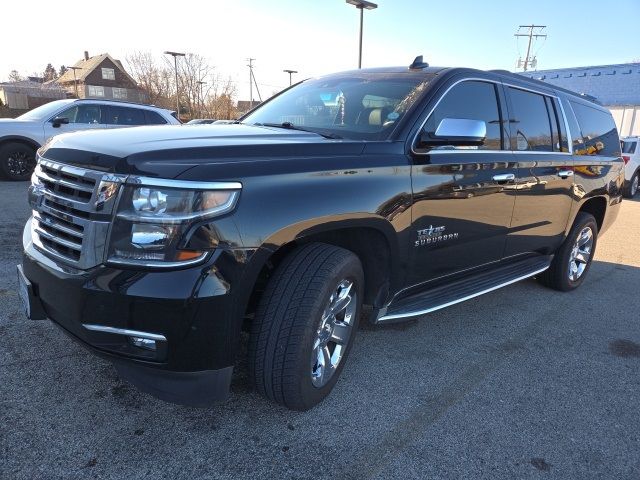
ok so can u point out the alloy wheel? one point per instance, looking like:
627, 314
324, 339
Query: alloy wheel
18, 163
334, 331
581, 254
634, 185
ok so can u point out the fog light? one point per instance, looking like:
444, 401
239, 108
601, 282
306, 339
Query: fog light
144, 343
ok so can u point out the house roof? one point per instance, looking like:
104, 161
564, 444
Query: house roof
88, 66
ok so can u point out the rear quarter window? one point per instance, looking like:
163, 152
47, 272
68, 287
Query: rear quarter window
629, 147
599, 131
154, 118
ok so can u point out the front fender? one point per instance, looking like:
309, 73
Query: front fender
20, 138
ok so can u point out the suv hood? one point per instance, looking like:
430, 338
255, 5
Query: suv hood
167, 151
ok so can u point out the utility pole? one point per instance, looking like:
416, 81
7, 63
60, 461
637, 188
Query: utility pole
252, 81
250, 60
175, 56
535, 31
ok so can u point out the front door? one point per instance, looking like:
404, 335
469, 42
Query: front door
81, 116
462, 198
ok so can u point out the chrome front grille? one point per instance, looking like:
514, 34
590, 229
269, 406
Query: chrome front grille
70, 183
71, 219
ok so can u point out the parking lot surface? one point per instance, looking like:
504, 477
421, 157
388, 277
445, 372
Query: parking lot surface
524, 382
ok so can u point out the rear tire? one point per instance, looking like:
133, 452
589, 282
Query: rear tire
305, 324
17, 161
631, 188
572, 260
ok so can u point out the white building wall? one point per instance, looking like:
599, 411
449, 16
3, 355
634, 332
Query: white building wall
627, 119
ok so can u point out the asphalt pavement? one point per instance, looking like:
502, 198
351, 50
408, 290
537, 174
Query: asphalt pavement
524, 382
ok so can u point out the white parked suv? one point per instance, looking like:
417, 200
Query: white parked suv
21, 137
631, 156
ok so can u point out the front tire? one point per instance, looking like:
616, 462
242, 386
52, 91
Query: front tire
305, 324
17, 161
573, 259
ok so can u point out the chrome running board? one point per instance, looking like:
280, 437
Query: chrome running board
445, 295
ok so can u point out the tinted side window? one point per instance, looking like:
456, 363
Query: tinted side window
125, 116
629, 147
598, 130
88, 114
471, 100
531, 123
154, 118
574, 128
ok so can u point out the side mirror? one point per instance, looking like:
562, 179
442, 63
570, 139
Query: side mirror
56, 122
457, 132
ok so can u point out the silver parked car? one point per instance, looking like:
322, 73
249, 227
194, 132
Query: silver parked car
22, 136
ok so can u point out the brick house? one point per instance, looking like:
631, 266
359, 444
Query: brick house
101, 76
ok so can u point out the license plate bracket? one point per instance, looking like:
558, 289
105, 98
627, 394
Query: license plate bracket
30, 303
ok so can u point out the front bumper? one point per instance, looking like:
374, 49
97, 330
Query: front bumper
194, 313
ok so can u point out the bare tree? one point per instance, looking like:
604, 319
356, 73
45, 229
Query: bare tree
202, 93
220, 101
14, 76
155, 80
195, 78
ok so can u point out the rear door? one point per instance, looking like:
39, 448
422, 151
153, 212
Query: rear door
118, 117
545, 172
462, 201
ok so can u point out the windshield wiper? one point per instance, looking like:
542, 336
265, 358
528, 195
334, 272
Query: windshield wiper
291, 126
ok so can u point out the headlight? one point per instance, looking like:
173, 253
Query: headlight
153, 216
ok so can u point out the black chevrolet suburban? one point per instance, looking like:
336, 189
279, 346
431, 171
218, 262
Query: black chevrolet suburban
377, 194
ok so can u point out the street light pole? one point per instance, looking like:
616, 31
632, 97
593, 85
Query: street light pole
75, 80
290, 72
175, 56
200, 99
361, 5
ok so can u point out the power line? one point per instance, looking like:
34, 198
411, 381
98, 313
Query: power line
534, 32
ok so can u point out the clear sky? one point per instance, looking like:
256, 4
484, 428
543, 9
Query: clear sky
318, 36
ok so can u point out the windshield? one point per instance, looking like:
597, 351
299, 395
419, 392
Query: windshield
45, 111
628, 146
354, 105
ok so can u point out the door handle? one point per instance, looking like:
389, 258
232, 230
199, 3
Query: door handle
565, 173
504, 177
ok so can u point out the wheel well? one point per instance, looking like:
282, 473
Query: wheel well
597, 207
24, 141
369, 244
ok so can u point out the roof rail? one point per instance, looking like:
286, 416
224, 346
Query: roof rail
115, 100
591, 98
522, 77
498, 70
